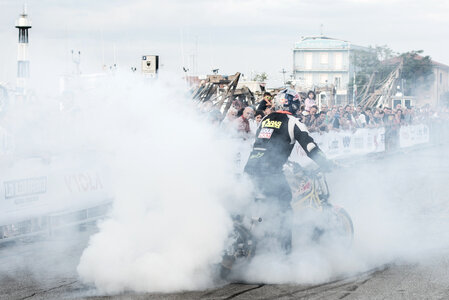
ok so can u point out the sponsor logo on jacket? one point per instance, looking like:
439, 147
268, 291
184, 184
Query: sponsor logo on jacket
271, 124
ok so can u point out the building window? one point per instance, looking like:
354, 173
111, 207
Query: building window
338, 61
441, 77
309, 61
337, 81
324, 58
408, 103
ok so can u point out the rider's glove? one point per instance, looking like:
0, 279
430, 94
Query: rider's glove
327, 166
320, 159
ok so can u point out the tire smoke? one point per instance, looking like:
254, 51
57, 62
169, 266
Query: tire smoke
175, 189
174, 182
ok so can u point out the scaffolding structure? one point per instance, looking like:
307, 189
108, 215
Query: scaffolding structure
222, 91
381, 96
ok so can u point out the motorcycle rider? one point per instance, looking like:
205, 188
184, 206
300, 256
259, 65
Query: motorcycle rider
274, 142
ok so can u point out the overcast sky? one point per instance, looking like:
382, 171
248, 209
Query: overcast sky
241, 35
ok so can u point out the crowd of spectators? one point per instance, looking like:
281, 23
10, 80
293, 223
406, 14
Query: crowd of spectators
245, 119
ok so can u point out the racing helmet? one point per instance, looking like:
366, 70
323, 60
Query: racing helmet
287, 100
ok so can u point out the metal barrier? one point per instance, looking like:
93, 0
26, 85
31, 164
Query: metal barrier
47, 225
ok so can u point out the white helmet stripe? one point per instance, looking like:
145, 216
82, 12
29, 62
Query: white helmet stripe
292, 121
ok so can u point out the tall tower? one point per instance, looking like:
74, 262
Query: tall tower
23, 63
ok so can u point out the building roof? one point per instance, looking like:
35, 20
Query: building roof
397, 60
438, 64
324, 42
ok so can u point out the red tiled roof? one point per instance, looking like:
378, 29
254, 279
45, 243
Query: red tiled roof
397, 59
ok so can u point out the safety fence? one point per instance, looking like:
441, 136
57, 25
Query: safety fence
39, 196
344, 144
347, 144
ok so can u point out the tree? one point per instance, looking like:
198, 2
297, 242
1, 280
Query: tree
369, 63
384, 52
380, 61
260, 77
417, 71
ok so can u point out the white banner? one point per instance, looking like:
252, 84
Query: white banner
34, 187
339, 144
413, 135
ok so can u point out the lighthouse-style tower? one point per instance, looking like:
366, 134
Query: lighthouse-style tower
23, 63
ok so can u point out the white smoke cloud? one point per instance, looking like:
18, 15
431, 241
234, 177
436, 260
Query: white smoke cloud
174, 183
175, 189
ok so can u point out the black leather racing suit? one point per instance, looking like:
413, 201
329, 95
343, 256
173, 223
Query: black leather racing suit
275, 139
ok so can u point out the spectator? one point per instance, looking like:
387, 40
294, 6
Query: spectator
368, 117
359, 118
254, 123
242, 122
265, 102
320, 123
348, 109
351, 110
330, 115
336, 119
240, 112
246, 120
324, 108
344, 122
378, 117
388, 117
300, 113
350, 113
311, 117
267, 111
408, 116
237, 105
391, 132
258, 116
230, 117
310, 101
398, 117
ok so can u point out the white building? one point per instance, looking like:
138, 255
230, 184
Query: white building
320, 61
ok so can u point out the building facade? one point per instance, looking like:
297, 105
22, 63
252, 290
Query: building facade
440, 84
433, 94
324, 62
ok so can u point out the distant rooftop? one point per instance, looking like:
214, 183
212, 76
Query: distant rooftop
324, 42
397, 60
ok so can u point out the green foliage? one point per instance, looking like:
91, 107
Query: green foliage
417, 71
384, 53
260, 77
369, 63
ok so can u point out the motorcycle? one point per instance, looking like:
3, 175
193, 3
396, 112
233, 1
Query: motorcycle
315, 220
